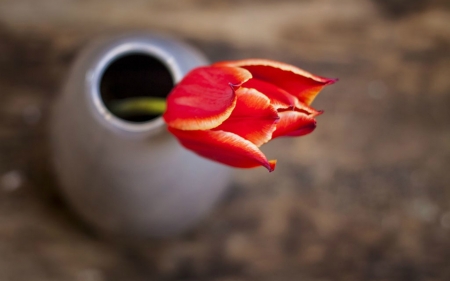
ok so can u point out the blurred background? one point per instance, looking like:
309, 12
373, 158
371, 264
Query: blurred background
365, 197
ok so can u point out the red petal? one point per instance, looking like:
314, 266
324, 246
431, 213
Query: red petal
224, 147
302, 84
294, 124
301, 107
253, 118
204, 98
278, 97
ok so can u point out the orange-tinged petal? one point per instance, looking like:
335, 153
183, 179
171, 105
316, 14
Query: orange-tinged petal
224, 147
294, 124
301, 107
253, 118
204, 98
279, 98
298, 82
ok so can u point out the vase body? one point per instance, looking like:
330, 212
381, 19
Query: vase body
129, 178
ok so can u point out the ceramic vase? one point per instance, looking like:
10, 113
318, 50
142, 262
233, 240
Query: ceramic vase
129, 177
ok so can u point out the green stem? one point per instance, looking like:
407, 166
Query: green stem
138, 106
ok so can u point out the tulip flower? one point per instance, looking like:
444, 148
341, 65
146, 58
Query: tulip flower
226, 111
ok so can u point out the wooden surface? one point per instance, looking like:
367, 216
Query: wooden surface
365, 197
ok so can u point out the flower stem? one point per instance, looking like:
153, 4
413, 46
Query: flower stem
138, 106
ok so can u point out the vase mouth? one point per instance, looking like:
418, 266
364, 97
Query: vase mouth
139, 55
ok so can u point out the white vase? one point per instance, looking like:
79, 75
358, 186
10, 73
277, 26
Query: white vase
123, 177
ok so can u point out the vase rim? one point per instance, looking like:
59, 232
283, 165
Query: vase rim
140, 45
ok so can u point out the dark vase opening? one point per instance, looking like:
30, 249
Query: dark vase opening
131, 76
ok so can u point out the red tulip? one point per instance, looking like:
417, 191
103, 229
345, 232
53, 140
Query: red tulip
226, 111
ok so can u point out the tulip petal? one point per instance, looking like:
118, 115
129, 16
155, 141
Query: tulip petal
204, 98
253, 118
279, 98
224, 147
298, 82
301, 107
294, 124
